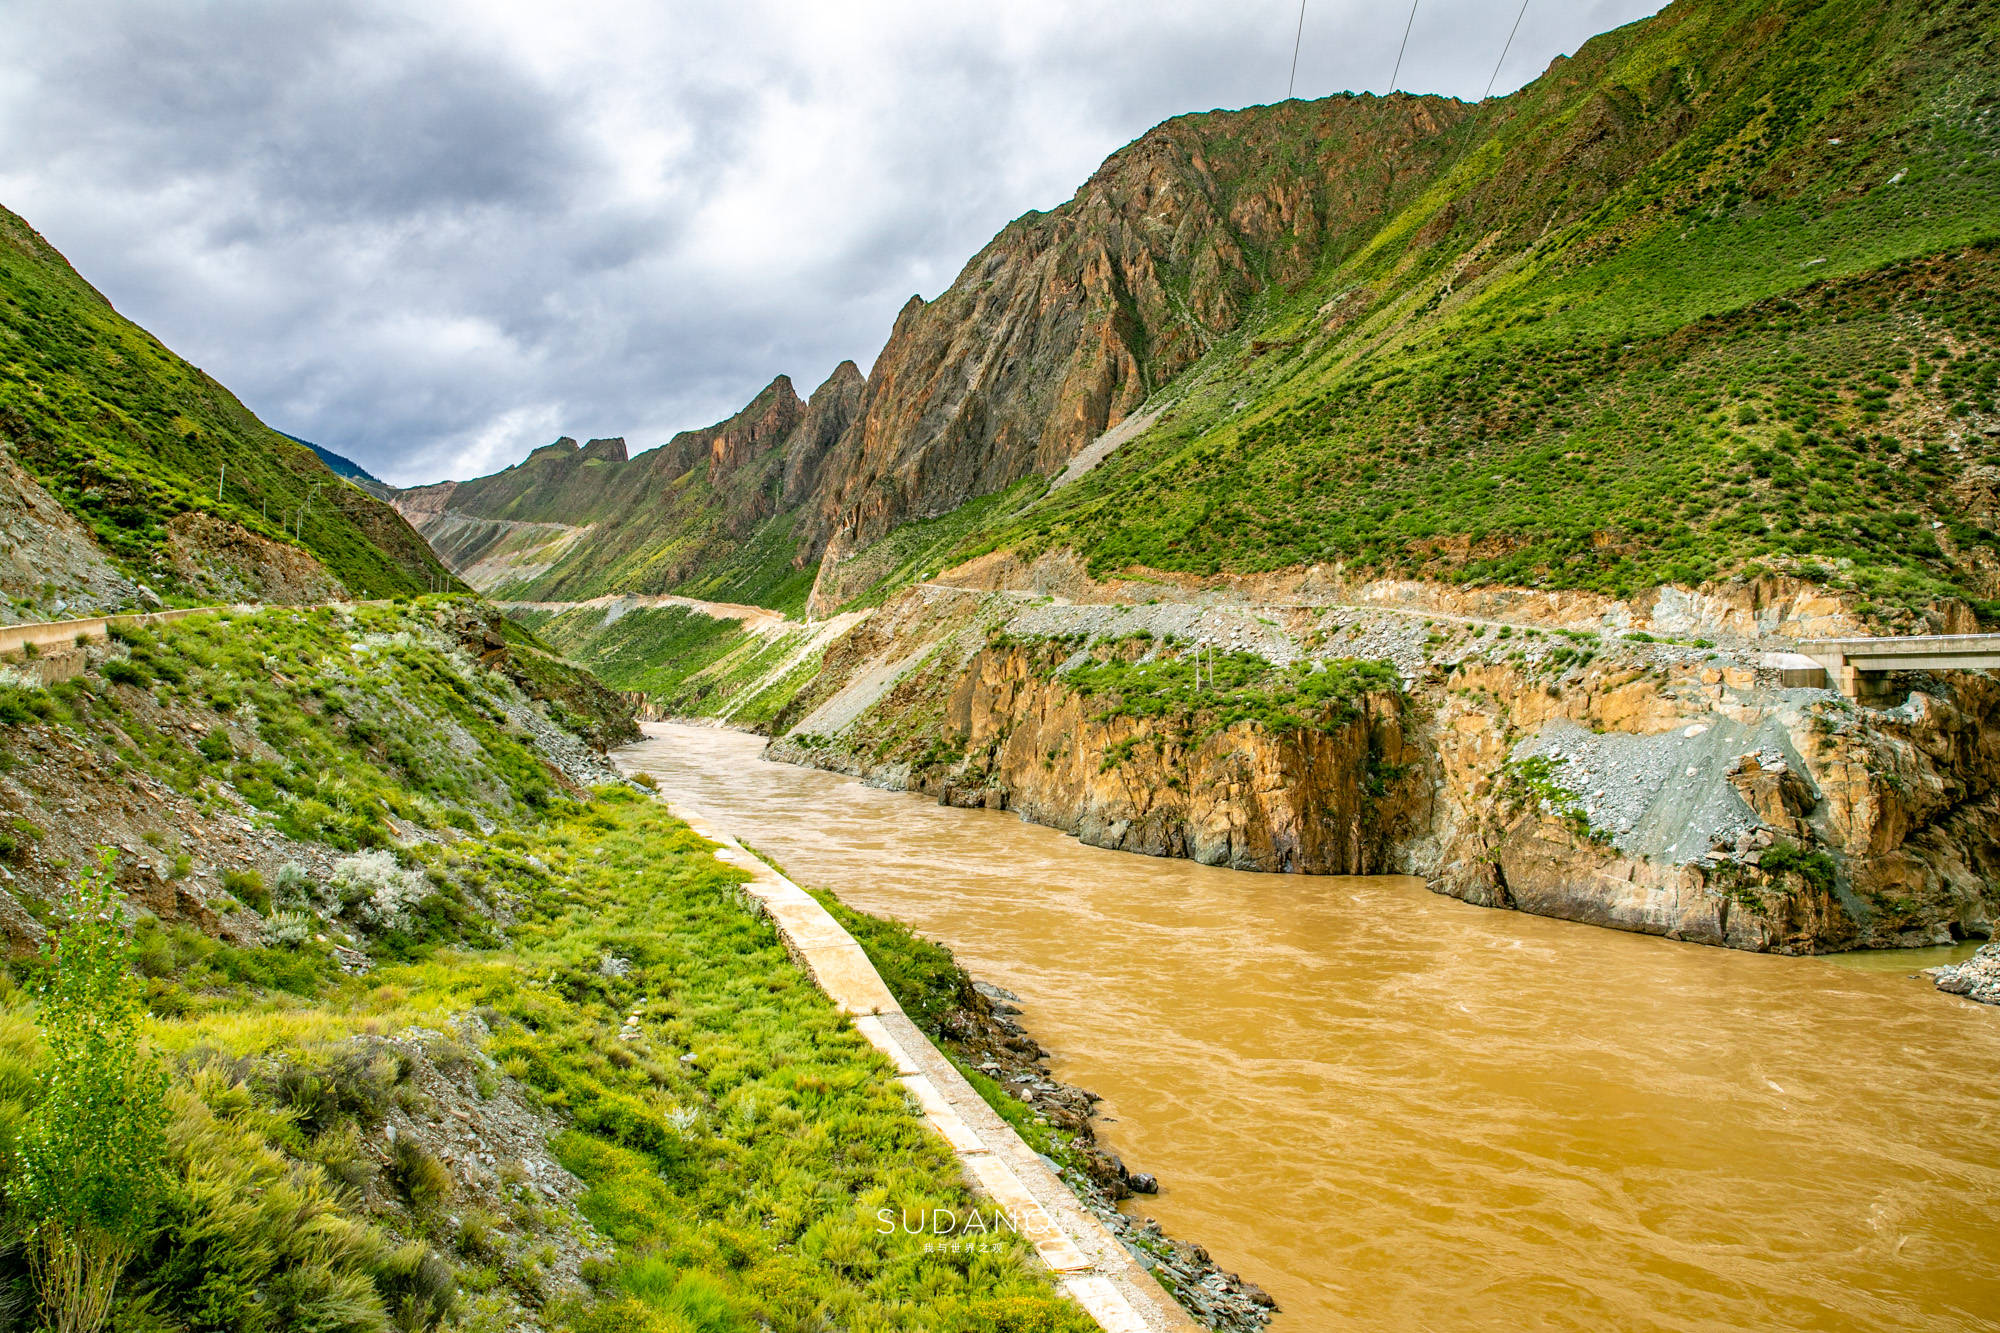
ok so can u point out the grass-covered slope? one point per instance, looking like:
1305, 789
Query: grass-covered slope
1715, 296
456, 1041
689, 664
128, 437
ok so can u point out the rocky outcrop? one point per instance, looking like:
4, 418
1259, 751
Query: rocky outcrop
1011, 737
1977, 978
832, 408
1676, 789
1241, 796
229, 563
48, 561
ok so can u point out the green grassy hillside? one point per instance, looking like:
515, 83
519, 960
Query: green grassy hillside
128, 436
1716, 297
454, 1041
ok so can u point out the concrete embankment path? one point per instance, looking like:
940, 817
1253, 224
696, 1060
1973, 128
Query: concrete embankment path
67, 633
1090, 1265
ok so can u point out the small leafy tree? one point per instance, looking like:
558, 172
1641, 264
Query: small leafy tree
92, 1152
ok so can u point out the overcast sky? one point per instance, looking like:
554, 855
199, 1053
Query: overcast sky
433, 236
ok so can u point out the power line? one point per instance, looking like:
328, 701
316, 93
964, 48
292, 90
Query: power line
1399, 50
1503, 50
1296, 38
1518, 16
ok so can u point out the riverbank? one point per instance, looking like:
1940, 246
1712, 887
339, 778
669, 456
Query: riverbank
1577, 766
976, 1025
1054, 1184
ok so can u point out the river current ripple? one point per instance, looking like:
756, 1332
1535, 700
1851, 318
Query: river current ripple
1395, 1111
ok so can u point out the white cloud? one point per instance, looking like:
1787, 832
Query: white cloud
434, 237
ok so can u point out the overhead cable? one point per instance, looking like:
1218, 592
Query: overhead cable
1503, 51
1399, 50
1296, 38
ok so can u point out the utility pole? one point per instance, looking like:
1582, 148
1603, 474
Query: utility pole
300, 534
218, 482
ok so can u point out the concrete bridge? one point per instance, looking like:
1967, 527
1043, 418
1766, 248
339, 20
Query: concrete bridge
1855, 666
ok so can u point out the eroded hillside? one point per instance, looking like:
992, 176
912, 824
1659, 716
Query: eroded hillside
1646, 768
122, 467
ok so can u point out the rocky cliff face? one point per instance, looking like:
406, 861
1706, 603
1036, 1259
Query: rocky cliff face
1068, 320
1241, 796
1053, 333
1677, 788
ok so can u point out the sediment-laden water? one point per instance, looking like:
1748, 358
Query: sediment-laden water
1396, 1111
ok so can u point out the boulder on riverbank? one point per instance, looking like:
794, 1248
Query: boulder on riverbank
1977, 978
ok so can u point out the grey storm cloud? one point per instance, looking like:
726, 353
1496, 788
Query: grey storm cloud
432, 237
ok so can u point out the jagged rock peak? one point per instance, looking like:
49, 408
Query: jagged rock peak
563, 447
845, 376
1064, 324
779, 390
611, 450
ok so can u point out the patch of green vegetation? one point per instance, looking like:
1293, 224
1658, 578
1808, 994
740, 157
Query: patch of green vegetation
1535, 781
127, 436
335, 721
921, 973
929, 984
737, 1139
760, 572
916, 551
1812, 865
90, 1152
690, 664
654, 649
1229, 688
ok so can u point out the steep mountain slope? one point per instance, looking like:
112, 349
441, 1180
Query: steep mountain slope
178, 484
1712, 299
1068, 320
1709, 300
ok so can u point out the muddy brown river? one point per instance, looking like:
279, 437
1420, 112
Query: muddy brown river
1395, 1111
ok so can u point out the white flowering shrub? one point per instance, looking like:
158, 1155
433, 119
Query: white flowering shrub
375, 892
294, 889
288, 929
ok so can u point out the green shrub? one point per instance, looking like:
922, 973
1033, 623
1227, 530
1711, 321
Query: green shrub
422, 1178
126, 671
1788, 858
248, 888
91, 1156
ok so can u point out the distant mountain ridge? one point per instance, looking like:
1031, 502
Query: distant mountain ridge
1705, 300
341, 466
711, 512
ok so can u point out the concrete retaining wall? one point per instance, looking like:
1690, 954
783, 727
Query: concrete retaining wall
1091, 1265
66, 633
